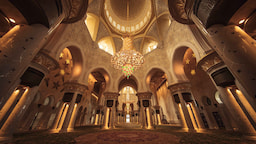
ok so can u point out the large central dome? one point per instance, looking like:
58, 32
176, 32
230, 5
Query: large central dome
122, 7
128, 16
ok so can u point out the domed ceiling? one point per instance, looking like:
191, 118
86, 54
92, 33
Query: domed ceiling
128, 16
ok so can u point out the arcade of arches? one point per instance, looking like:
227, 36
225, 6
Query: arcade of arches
199, 72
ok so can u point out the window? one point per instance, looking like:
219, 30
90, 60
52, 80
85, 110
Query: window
127, 118
217, 97
92, 23
107, 45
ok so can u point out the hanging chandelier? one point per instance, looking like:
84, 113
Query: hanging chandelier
127, 59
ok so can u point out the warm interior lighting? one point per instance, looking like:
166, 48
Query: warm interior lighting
182, 117
20, 106
246, 104
58, 118
92, 23
191, 114
77, 70
72, 119
63, 116
96, 119
61, 55
95, 96
127, 118
62, 72
151, 46
8, 104
127, 59
107, 119
237, 109
193, 72
241, 21
107, 45
128, 26
12, 20
159, 119
67, 62
148, 118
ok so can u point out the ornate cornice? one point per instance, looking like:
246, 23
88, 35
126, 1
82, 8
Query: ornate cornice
46, 61
75, 87
210, 62
186, 86
157, 107
144, 95
111, 95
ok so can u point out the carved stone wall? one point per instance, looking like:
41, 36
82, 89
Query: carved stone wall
211, 61
186, 86
46, 61
144, 95
75, 87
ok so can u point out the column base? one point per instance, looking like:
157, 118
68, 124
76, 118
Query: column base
63, 130
189, 130
54, 131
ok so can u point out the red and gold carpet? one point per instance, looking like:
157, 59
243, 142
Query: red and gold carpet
127, 137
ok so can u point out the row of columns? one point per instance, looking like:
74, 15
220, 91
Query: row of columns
110, 109
145, 110
121, 117
190, 117
235, 50
15, 105
239, 108
20, 47
65, 119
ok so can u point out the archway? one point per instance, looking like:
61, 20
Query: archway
127, 105
164, 110
98, 80
127, 108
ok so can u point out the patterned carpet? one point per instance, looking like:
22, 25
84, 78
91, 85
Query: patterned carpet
127, 137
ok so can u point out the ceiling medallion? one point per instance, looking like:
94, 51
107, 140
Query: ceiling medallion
127, 59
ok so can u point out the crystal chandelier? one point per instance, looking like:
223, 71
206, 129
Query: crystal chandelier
127, 59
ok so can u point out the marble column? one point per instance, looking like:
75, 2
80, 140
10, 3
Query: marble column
57, 117
110, 110
75, 88
18, 47
197, 115
145, 110
17, 110
178, 89
11, 124
156, 104
212, 63
237, 49
157, 115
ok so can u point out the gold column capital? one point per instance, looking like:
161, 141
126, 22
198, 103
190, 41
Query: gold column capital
180, 87
111, 95
144, 95
210, 62
75, 87
44, 60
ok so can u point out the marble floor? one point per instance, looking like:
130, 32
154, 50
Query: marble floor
159, 135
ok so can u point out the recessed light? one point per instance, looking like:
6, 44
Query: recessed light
241, 21
12, 20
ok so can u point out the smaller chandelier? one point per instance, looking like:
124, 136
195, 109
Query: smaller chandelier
127, 59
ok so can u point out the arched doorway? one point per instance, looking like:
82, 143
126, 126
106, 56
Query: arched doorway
127, 105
